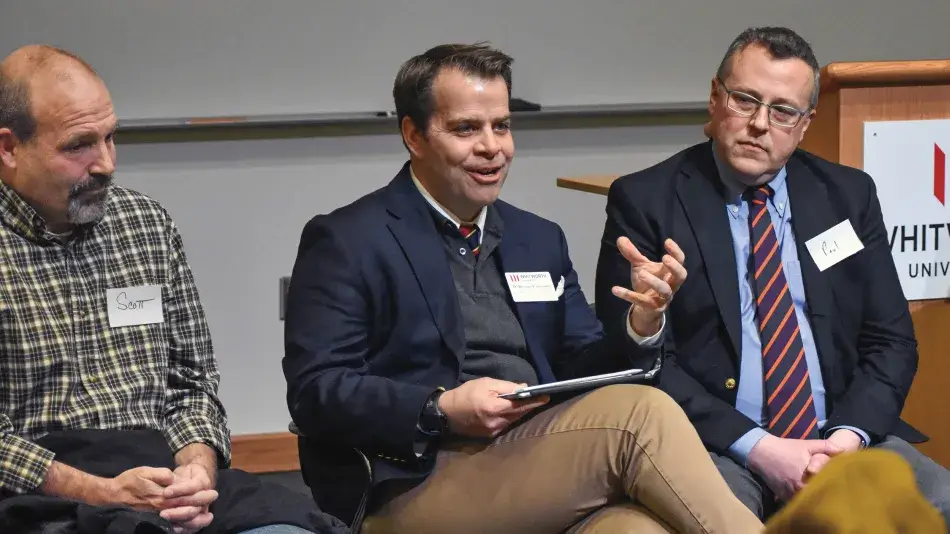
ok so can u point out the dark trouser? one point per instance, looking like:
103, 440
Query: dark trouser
932, 479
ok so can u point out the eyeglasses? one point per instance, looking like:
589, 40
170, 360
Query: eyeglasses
747, 105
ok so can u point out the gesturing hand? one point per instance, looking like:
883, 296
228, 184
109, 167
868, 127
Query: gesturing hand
653, 283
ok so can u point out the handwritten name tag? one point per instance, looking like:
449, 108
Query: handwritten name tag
130, 306
833, 245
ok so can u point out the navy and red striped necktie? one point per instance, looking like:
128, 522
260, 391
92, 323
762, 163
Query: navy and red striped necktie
472, 235
790, 407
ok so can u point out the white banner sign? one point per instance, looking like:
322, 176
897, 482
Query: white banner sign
908, 161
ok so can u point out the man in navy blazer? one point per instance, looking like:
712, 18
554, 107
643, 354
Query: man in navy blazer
771, 345
412, 309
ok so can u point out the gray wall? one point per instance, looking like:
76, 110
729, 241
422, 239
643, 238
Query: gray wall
242, 204
172, 58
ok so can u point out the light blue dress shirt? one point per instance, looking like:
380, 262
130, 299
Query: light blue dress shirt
749, 399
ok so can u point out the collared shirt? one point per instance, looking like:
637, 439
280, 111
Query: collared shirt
479, 221
423, 441
749, 397
63, 367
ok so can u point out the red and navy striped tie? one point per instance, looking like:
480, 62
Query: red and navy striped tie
789, 403
471, 234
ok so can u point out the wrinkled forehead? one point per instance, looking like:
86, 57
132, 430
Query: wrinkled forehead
64, 102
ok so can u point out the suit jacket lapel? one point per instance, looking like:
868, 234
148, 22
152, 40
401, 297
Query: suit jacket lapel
514, 256
812, 214
414, 229
700, 192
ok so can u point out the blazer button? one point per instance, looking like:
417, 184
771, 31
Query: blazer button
731, 383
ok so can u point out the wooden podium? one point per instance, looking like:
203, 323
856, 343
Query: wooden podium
855, 93
851, 94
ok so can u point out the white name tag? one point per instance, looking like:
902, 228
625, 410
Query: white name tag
833, 245
129, 306
532, 287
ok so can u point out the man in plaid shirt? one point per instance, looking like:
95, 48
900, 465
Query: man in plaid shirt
101, 326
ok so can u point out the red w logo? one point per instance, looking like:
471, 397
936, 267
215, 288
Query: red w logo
940, 174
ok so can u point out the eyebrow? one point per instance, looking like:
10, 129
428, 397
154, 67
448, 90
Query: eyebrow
459, 120
86, 137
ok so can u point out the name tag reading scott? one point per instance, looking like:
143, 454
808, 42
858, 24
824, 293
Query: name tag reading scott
531, 287
131, 306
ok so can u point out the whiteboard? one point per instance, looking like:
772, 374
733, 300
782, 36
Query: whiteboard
201, 58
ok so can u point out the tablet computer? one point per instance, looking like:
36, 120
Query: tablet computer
575, 384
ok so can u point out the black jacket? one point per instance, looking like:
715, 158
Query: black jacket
856, 308
244, 501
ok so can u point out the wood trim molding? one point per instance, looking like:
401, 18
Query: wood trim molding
265, 453
875, 73
598, 184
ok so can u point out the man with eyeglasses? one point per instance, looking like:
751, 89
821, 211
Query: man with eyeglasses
791, 331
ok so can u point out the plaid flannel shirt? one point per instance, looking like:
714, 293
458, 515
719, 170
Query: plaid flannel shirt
63, 367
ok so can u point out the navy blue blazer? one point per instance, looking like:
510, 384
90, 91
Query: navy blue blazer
373, 325
856, 308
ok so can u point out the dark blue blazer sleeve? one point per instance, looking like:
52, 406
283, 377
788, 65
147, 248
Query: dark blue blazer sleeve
331, 396
886, 346
584, 350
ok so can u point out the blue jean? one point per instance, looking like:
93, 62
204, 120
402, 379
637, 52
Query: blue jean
277, 529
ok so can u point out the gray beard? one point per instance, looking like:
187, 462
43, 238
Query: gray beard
85, 211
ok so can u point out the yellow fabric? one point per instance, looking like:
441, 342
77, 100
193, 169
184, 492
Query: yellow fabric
868, 492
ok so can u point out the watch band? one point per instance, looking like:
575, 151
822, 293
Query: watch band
432, 421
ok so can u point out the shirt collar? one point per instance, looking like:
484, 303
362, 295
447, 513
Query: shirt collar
479, 221
735, 188
18, 213
20, 216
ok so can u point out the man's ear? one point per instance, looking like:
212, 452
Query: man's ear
807, 122
412, 136
713, 96
8, 142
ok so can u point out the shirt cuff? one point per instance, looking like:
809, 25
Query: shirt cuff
743, 446
25, 464
651, 341
865, 438
187, 427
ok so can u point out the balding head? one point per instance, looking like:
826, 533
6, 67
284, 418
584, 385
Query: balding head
57, 148
23, 70
32, 59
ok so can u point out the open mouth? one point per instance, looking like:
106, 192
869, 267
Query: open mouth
486, 174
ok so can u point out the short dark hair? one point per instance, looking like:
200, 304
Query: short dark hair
781, 43
15, 111
412, 90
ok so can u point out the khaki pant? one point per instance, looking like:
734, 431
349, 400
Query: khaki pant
619, 459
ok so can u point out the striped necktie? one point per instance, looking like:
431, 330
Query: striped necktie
789, 404
472, 234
